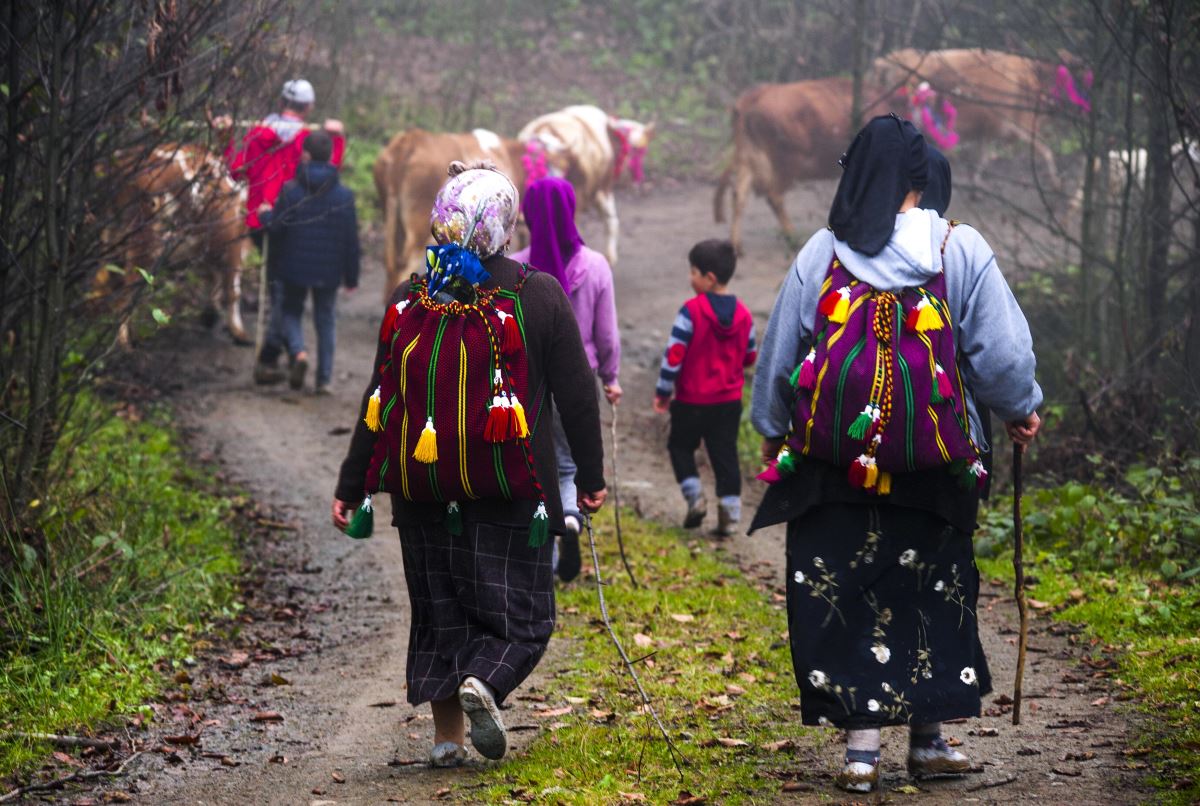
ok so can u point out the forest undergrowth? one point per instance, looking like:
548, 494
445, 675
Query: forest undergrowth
145, 561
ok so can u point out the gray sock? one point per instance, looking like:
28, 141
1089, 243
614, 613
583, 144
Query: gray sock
868, 739
690, 487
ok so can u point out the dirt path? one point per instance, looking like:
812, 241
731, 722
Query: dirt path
328, 614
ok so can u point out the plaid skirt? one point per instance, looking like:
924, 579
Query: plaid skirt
482, 606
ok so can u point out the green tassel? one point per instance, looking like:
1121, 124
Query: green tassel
363, 522
786, 463
539, 529
936, 397
454, 523
858, 428
795, 377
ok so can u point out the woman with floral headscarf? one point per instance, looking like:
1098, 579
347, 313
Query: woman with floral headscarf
482, 602
557, 248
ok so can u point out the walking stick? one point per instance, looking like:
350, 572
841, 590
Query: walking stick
263, 298
1019, 574
616, 487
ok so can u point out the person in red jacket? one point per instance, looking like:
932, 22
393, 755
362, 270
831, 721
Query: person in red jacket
711, 344
266, 159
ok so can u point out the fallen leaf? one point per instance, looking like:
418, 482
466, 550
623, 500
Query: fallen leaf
182, 677
953, 741
184, 739
267, 716
117, 796
1003, 699
984, 732
1069, 772
66, 758
575, 700
632, 797
1096, 703
278, 759
276, 679
553, 712
688, 799
226, 761
734, 689
683, 618
337, 777
1029, 751
794, 786
782, 744
603, 716
642, 640
1037, 604
383, 704
444, 792
907, 789
726, 741
236, 660
1086, 755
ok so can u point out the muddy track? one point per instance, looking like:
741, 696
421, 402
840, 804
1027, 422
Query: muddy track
328, 615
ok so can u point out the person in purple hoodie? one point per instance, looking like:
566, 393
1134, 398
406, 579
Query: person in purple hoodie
557, 248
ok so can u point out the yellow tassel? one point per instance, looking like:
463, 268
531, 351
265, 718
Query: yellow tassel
426, 451
372, 418
928, 318
842, 311
522, 424
884, 486
872, 475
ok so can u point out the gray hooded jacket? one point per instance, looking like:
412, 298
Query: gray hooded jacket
994, 348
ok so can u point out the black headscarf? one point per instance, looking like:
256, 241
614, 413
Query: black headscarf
936, 195
884, 162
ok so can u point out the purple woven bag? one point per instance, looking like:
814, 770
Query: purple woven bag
880, 391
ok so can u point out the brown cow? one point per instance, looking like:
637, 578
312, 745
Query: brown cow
179, 201
410, 170
999, 96
784, 134
589, 148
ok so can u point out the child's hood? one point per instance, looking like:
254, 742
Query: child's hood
721, 312
314, 176
911, 257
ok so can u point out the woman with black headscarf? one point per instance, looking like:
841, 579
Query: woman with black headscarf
882, 583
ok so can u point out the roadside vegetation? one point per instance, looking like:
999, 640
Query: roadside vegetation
1120, 557
137, 561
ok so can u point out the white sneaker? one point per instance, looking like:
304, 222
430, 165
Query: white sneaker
487, 730
861, 771
448, 754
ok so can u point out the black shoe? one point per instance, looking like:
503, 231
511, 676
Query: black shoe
266, 374
297, 372
569, 560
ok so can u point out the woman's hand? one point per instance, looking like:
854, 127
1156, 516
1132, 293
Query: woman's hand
770, 448
662, 405
613, 392
341, 513
1022, 432
591, 502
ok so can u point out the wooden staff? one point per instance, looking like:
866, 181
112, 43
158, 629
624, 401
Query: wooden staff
617, 499
1019, 575
264, 297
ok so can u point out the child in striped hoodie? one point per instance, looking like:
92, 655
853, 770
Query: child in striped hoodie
711, 343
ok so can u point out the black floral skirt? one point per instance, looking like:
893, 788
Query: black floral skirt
482, 605
881, 616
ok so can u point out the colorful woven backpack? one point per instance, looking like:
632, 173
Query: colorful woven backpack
880, 391
451, 405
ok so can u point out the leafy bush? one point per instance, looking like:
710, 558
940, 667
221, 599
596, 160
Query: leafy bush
1149, 521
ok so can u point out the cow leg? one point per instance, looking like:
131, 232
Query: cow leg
741, 194
607, 202
231, 278
775, 199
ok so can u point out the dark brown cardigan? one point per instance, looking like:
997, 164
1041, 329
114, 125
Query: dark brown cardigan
557, 361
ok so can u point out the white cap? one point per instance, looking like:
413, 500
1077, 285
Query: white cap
298, 91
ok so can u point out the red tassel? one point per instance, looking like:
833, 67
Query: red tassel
829, 303
389, 320
910, 319
771, 473
808, 372
511, 338
945, 388
498, 424
857, 474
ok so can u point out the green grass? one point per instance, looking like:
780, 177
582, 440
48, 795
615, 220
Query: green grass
722, 671
134, 559
1153, 628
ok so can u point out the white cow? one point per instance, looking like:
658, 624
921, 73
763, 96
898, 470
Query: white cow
590, 149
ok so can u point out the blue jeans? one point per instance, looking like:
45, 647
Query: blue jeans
324, 320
